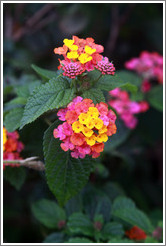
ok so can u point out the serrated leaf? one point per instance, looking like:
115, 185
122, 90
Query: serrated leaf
124, 208
44, 73
109, 82
56, 237
79, 240
79, 223
65, 175
155, 97
52, 95
112, 229
13, 118
15, 176
48, 213
95, 94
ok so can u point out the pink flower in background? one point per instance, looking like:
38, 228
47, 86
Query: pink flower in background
126, 108
146, 86
149, 65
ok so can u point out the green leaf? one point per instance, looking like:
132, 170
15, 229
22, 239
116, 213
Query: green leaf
95, 94
13, 118
150, 240
122, 201
113, 190
109, 82
52, 95
118, 138
129, 77
26, 90
155, 97
103, 207
120, 240
48, 213
95, 202
79, 223
138, 96
56, 237
44, 73
17, 101
74, 205
112, 229
15, 176
79, 240
125, 209
65, 175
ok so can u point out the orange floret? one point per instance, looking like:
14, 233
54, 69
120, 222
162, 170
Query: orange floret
77, 139
111, 129
11, 145
98, 147
71, 117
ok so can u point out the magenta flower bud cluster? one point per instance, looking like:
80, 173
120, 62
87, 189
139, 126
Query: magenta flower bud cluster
72, 69
105, 66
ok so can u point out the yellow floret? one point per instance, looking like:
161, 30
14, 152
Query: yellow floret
72, 55
4, 137
83, 58
73, 47
83, 118
87, 132
90, 123
68, 42
103, 129
102, 138
93, 112
77, 127
91, 140
89, 50
98, 123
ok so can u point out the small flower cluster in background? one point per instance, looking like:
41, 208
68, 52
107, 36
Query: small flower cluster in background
11, 147
82, 55
136, 233
126, 108
86, 127
150, 66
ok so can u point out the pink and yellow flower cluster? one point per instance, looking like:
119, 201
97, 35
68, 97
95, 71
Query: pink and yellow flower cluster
86, 127
126, 108
149, 65
11, 147
82, 55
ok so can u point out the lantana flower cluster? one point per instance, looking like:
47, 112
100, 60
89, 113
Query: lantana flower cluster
82, 55
150, 66
86, 127
136, 233
126, 108
11, 147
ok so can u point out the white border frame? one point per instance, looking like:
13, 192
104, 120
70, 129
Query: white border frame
163, 2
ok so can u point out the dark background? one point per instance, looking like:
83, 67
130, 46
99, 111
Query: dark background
31, 32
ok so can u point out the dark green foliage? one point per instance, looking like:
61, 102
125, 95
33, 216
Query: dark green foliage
60, 167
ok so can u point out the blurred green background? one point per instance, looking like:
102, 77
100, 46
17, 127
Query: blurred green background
31, 32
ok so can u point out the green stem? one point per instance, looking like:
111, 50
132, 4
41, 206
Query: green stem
95, 81
11, 161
